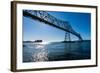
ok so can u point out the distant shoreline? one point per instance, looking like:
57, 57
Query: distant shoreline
56, 42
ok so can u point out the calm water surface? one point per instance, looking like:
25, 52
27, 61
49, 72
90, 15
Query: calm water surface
56, 51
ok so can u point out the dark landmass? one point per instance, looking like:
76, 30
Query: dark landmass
70, 41
75, 41
36, 41
39, 41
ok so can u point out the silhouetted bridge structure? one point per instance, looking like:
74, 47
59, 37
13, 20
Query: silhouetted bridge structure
45, 17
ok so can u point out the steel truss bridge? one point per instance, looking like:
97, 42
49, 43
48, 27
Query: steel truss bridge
45, 17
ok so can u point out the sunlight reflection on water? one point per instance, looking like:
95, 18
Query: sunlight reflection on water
40, 54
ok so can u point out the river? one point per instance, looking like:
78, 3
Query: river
56, 51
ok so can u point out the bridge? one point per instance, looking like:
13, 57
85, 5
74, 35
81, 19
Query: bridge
45, 17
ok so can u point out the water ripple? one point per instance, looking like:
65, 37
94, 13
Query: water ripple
41, 53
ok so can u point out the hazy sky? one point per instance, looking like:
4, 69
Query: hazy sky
35, 30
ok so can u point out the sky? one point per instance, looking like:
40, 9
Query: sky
36, 30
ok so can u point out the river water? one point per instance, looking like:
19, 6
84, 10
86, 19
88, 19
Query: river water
56, 51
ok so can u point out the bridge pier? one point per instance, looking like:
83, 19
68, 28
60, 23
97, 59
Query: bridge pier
67, 43
67, 36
